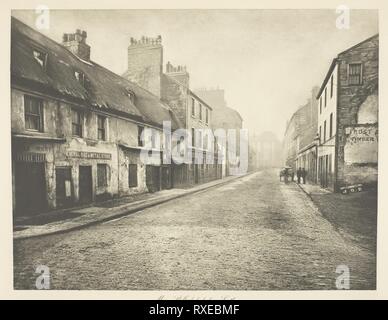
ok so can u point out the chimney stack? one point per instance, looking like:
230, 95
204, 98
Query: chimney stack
76, 43
179, 73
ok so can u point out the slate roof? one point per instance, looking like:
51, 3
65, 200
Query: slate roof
105, 90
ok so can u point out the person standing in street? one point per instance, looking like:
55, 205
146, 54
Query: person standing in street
303, 174
298, 174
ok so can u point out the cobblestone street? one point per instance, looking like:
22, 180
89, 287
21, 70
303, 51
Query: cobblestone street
254, 233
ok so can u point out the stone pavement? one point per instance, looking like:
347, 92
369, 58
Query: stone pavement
254, 233
354, 215
77, 218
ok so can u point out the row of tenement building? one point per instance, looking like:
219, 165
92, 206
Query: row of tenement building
78, 129
335, 135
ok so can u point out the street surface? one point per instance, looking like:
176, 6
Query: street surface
255, 233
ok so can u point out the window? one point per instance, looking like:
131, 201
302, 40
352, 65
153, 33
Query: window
331, 86
80, 76
140, 131
193, 137
40, 57
102, 175
324, 131
33, 113
320, 104
200, 111
200, 139
154, 136
207, 115
325, 96
192, 107
320, 134
355, 73
132, 175
76, 122
331, 125
101, 130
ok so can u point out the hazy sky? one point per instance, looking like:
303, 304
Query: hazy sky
266, 60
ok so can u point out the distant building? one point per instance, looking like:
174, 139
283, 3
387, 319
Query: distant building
77, 127
266, 151
300, 143
223, 117
145, 67
348, 118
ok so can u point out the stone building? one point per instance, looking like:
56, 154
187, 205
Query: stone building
300, 143
223, 117
348, 118
77, 128
172, 86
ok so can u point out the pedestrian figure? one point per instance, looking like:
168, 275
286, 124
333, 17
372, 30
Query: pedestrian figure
304, 173
299, 174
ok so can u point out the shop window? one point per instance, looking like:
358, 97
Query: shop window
102, 175
33, 113
132, 176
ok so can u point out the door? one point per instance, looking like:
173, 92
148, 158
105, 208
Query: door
196, 173
64, 187
30, 188
166, 178
85, 184
153, 178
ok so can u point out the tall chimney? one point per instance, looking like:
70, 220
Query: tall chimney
145, 63
76, 43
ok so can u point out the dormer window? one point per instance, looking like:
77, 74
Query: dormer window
40, 57
131, 96
80, 76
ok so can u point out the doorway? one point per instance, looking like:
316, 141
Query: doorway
30, 188
153, 178
64, 187
85, 184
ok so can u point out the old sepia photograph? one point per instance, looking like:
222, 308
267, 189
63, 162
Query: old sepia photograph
194, 149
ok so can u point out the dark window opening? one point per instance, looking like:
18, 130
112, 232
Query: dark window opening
324, 131
192, 107
207, 116
331, 86
331, 125
140, 141
101, 130
41, 58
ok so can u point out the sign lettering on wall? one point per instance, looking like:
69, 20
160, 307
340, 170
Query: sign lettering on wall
89, 155
361, 144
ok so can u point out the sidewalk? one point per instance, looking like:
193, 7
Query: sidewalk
77, 218
353, 215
